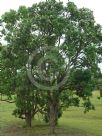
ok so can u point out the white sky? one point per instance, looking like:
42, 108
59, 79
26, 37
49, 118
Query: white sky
94, 5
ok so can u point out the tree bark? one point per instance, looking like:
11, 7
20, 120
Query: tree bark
28, 119
52, 119
53, 113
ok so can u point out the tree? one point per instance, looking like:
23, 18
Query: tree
13, 71
60, 41
99, 82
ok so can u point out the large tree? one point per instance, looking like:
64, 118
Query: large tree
48, 44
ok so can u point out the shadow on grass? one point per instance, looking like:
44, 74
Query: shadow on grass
39, 130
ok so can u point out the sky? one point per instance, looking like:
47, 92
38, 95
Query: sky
94, 5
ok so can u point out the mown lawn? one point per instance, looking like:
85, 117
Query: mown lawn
73, 122
90, 123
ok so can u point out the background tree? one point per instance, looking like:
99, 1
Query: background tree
99, 82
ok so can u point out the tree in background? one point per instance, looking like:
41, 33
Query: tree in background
99, 82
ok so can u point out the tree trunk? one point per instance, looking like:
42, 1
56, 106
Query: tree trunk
53, 113
100, 92
52, 119
28, 119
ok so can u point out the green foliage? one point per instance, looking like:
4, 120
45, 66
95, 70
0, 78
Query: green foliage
82, 83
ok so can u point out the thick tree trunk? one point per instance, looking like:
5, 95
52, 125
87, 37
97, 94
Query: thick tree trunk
53, 113
28, 119
52, 119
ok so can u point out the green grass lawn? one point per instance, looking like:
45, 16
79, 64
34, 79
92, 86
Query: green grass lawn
73, 122
90, 123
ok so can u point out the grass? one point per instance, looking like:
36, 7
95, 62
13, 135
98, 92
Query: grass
90, 123
73, 122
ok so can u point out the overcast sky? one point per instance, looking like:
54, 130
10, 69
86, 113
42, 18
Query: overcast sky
94, 5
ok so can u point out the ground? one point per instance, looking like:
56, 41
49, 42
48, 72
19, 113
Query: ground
73, 122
